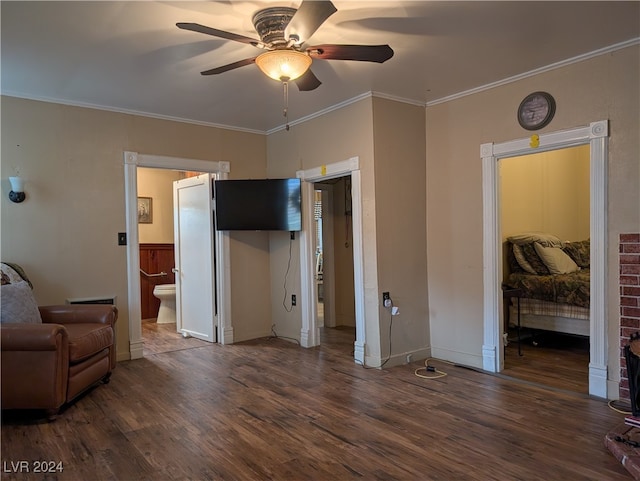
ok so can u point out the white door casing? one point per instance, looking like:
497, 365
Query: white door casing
596, 136
133, 160
310, 335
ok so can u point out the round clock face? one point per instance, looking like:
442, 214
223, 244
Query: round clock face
536, 110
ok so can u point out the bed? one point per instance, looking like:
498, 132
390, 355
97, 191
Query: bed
553, 278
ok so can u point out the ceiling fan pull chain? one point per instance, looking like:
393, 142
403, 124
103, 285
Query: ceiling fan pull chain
286, 104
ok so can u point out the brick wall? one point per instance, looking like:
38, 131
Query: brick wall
629, 300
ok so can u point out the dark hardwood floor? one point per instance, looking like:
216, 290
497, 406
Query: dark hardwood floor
271, 410
160, 338
559, 361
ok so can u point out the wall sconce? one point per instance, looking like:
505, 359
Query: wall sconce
17, 190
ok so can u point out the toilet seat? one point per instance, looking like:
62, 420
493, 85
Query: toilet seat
165, 287
167, 295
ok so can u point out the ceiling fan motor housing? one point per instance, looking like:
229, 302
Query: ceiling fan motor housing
270, 23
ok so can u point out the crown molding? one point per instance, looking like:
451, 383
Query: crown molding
138, 113
538, 71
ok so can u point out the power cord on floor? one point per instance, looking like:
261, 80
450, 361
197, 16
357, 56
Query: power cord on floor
430, 371
274, 335
611, 406
387, 359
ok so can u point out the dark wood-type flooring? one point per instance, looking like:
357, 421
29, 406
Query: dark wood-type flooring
159, 338
271, 410
559, 361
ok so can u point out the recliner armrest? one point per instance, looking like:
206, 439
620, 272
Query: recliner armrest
33, 337
79, 313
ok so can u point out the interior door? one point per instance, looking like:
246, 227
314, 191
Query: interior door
194, 257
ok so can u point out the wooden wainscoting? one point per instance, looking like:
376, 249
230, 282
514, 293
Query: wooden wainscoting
154, 258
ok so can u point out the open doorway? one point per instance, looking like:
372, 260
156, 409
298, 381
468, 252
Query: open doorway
157, 243
310, 332
333, 252
132, 161
595, 135
545, 230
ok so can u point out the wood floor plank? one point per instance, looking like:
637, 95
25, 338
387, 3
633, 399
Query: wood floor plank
272, 410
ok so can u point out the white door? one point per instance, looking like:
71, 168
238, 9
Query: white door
194, 257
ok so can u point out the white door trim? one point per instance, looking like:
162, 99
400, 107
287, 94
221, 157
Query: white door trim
133, 160
310, 335
596, 135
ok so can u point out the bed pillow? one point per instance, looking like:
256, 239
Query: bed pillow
522, 260
547, 240
579, 252
556, 260
529, 259
18, 304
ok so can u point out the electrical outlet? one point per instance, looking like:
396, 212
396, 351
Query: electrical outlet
385, 297
293, 299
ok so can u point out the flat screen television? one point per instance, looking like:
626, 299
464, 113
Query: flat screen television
258, 204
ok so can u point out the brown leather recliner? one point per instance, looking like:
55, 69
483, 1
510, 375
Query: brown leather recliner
47, 365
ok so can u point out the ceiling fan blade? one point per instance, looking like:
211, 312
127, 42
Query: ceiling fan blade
231, 66
196, 27
308, 18
363, 53
307, 82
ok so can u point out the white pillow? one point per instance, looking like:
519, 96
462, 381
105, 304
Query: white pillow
556, 260
17, 304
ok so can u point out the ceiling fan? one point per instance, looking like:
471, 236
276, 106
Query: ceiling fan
283, 32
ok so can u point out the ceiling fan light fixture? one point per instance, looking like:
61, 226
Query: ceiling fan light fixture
284, 64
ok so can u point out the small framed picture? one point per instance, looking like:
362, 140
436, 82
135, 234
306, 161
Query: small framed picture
144, 210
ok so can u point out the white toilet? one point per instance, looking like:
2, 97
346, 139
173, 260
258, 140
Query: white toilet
167, 295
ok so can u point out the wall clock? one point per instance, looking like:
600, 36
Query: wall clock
536, 110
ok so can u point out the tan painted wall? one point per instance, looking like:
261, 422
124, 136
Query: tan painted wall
546, 192
158, 184
337, 136
400, 166
388, 137
604, 87
65, 233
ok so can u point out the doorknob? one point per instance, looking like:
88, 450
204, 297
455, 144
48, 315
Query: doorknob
174, 270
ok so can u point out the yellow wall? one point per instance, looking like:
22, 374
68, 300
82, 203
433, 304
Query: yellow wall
65, 233
604, 87
546, 192
158, 185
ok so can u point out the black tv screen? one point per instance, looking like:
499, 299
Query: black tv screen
258, 204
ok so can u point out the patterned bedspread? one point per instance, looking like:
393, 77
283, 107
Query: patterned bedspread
572, 289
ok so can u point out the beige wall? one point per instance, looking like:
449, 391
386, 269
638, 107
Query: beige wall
546, 192
388, 137
158, 185
400, 176
65, 233
604, 87
334, 137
